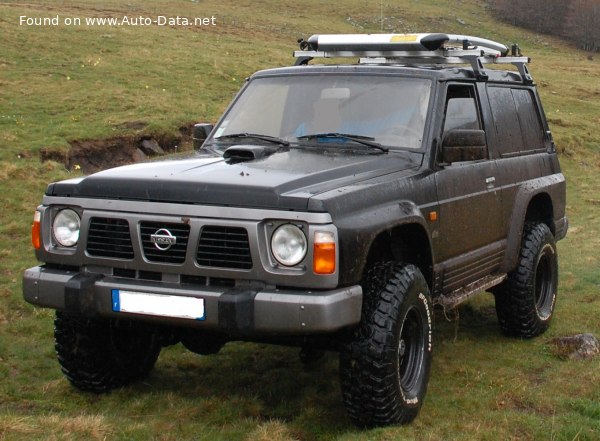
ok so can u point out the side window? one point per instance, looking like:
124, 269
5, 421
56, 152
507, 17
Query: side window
461, 109
531, 127
506, 120
516, 120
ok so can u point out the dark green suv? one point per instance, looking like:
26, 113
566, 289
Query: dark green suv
331, 208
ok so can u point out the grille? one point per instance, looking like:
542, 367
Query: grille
109, 237
224, 247
175, 253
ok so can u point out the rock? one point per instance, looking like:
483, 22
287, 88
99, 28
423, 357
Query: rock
151, 147
576, 347
461, 21
139, 156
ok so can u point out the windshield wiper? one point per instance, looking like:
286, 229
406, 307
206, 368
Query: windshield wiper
267, 138
365, 140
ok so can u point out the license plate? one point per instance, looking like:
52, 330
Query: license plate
191, 308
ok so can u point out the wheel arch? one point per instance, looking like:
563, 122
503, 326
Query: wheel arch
541, 209
407, 243
530, 206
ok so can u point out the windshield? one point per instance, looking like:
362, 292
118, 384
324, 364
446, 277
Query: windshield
390, 111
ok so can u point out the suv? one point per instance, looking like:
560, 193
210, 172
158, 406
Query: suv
331, 207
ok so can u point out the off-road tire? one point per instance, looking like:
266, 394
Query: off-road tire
384, 369
525, 300
98, 355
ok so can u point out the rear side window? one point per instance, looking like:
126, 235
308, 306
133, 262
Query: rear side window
531, 128
516, 120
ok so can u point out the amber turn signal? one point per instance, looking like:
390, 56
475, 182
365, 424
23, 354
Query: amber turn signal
36, 231
324, 253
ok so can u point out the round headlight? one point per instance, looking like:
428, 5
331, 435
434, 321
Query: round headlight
66, 227
288, 245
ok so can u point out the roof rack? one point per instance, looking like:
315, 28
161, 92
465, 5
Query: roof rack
414, 49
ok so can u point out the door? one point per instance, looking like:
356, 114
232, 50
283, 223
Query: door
469, 242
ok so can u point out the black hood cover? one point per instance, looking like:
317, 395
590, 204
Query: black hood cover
283, 180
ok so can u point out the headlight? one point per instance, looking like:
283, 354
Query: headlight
288, 245
66, 227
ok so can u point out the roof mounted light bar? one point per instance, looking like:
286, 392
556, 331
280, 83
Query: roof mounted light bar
413, 49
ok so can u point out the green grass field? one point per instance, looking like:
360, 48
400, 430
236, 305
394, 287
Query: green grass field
64, 83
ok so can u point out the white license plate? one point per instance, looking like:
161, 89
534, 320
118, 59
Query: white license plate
157, 304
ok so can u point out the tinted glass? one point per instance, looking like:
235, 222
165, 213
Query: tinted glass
506, 121
531, 128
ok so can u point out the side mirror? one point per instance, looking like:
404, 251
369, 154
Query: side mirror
464, 145
200, 133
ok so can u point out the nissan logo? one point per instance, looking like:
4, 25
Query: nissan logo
163, 239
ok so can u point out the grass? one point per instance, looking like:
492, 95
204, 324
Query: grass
59, 84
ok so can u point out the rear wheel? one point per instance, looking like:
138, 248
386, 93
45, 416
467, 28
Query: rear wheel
384, 369
101, 354
525, 301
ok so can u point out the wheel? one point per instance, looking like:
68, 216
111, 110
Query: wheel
525, 300
384, 369
100, 354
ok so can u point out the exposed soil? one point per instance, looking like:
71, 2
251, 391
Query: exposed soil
92, 155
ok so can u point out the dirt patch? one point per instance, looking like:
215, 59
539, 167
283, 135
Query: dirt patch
92, 155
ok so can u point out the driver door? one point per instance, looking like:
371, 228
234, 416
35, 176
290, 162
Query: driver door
469, 228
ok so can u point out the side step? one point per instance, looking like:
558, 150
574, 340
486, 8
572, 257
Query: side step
455, 298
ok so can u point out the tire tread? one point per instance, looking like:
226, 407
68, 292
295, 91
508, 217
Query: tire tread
515, 301
369, 386
90, 362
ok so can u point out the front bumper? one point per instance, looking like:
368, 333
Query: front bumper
239, 310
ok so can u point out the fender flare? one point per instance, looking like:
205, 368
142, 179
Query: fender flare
523, 198
359, 230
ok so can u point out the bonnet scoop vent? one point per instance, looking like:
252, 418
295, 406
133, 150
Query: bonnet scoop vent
245, 153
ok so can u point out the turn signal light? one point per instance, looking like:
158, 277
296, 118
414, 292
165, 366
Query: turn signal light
324, 253
36, 231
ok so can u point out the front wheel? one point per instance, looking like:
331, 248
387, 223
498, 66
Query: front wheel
525, 301
98, 354
384, 369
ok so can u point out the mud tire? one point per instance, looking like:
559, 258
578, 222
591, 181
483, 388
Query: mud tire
525, 300
98, 355
384, 369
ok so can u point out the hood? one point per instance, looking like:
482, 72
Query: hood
283, 180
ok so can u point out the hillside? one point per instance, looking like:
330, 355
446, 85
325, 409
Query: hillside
65, 84
576, 20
